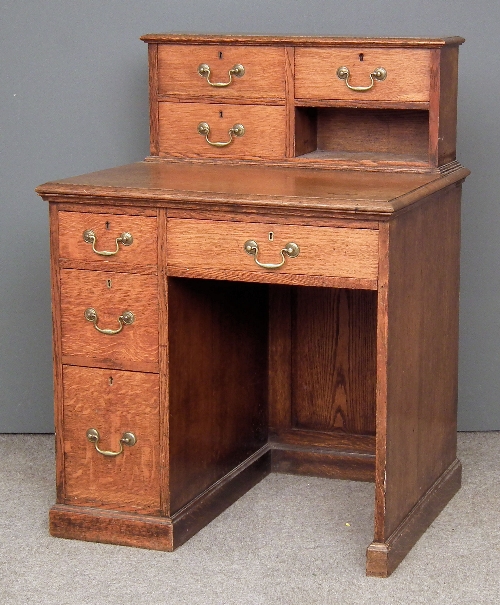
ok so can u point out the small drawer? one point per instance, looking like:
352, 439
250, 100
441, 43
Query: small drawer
111, 404
407, 74
262, 136
262, 76
125, 307
109, 239
219, 246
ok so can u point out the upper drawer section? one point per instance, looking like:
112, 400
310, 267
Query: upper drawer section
262, 76
113, 240
407, 74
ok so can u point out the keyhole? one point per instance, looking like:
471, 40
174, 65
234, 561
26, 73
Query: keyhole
221, 114
361, 56
220, 54
110, 381
107, 225
271, 236
108, 283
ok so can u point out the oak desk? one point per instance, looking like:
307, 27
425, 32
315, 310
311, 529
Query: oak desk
215, 321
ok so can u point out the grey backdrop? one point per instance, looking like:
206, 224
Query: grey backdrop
73, 93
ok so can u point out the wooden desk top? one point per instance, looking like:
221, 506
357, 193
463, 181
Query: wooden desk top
184, 185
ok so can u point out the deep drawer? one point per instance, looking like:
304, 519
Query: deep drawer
323, 251
111, 295
263, 71
118, 240
408, 74
112, 403
263, 137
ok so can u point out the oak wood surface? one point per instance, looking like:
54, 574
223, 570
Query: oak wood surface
421, 42
328, 440
334, 360
395, 132
112, 402
264, 137
187, 185
55, 279
110, 294
153, 98
416, 441
108, 227
111, 527
163, 360
218, 387
382, 558
332, 465
263, 78
323, 251
407, 73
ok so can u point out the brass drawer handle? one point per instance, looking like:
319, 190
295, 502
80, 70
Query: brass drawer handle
126, 318
127, 439
237, 70
378, 74
238, 130
125, 239
291, 249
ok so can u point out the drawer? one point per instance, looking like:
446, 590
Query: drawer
323, 251
408, 74
264, 130
111, 295
112, 403
263, 77
138, 247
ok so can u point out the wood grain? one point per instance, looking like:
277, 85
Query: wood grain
323, 251
107, 227
264, 138
334, 360
382, 558
251, 189
153, 98
137, 342
407, 73
112, 402
349, 41
323, 464
218, 386
55, 280
417, 442
385, 132
111, 527
264, 71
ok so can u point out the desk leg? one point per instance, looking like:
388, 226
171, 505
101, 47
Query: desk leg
417, 472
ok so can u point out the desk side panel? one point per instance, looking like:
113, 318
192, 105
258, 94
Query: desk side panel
418, 353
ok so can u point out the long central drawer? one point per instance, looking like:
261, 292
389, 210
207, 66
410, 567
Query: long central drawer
268, 249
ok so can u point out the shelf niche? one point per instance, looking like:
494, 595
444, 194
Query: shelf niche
362, 136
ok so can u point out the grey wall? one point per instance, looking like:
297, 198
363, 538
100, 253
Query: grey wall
74, 99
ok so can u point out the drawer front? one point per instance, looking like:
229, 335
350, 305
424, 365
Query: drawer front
112, 403
408, 74
263, 77
264, 130
75, 242
111, 295
324, 251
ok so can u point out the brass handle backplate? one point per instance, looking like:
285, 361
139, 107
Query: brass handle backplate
126, 318
237, 70
291, 250
125, 239
238, 130
127, 439
378, 74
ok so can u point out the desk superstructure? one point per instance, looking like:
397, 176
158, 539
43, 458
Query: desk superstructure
274, 289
